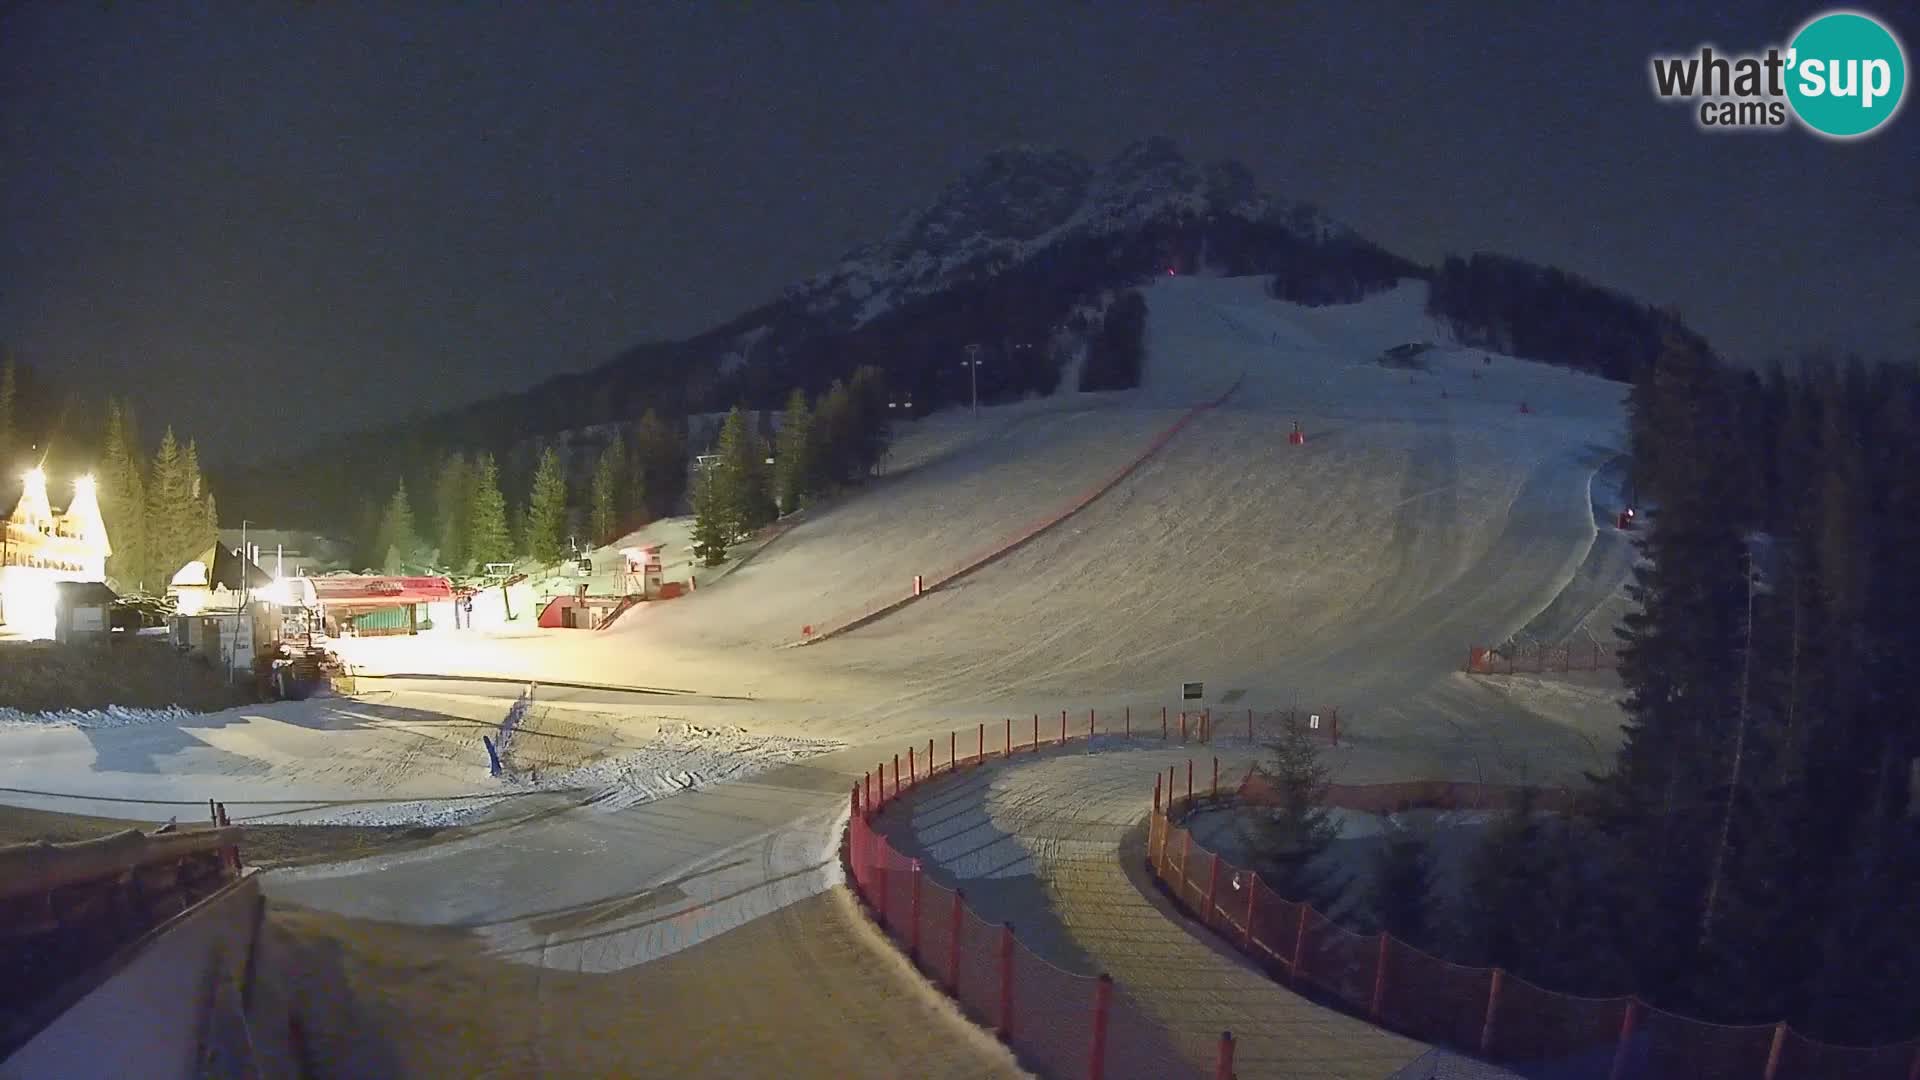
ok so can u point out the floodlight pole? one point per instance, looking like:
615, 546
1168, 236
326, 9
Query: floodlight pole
973, 375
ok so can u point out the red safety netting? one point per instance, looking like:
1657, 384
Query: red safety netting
1680, 1047
1339, 961
1802, 1058
1053, 1015
936, 932
980, 970
1276, 926
1441, 1001
1435, 1000
1533, 1024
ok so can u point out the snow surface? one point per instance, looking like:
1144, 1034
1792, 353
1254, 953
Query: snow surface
1352, 571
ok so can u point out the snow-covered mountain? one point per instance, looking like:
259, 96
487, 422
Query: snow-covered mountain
1023, 200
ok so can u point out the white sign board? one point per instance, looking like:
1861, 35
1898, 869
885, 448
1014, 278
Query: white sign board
1313, 721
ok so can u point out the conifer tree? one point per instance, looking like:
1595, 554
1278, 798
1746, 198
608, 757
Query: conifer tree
660, 456
740, 477
398, 541
170, 512
712, 529
1286, 839
453, 507
608, 490
793, 459
832, 436
1401, 899
546, 515
123, 501
488, 539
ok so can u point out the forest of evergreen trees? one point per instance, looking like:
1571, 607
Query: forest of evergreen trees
1541, 313
477, 517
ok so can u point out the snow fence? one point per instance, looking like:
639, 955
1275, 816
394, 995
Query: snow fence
1483, 1011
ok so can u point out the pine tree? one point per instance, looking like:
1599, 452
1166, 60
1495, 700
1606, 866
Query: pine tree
741, 477
1285, 840
832, 454
170, 528
546, 516
123, 501
1402, 897
452, 508
660, 456
712, 530
398, 542
608, 490
793, 468
488, 540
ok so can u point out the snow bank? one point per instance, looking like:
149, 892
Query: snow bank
113, 716
681, 757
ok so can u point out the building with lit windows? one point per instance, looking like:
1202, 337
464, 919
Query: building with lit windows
39, 548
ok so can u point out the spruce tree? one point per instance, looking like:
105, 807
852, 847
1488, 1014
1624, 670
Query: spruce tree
453, 507
661, 458
399, 542
832, 454
546, 516
793, 459
1401, 900
608, 490
488, 540
741, 477
712, 528
1285, 840
123, 501
170, 507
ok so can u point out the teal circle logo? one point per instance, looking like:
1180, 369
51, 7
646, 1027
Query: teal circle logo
1846, 74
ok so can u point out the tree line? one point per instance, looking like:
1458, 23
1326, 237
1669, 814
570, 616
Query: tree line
159, 513
820, 448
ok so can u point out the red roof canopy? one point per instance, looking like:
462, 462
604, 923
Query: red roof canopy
356, 589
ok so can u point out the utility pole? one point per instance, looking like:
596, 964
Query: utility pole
1739, 752
973, 375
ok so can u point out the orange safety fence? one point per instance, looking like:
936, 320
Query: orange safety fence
1484, 1011
968, 564
1541, 659
1058, 1023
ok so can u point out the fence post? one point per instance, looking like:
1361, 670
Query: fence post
1189, 778
1379, 979
1036, 731
1206, 724
1774, 1051
1253, 891
913, 936
1063, 727
869, 802
1216, 776
1493, 1012
1163, 723
1090, 723
1300, 943
1127, 719
1006, 982
953, 751
930, 769
896, 775
1183, 726
1156, 793
953, 942
913, 774
856, 799
1223, 1062
980, 750
1629, 1019
1333, 726
1213, 890
1102, 1001
1009, 752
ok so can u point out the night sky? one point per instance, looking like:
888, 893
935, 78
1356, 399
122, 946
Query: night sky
272, 219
